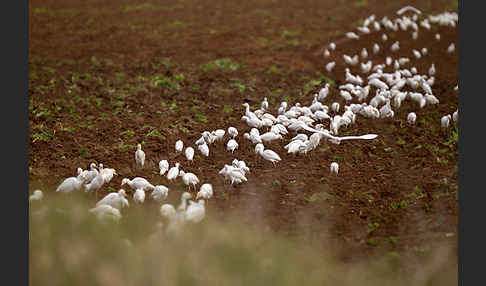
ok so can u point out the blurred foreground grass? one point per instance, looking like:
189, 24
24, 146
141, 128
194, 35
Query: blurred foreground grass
68, 246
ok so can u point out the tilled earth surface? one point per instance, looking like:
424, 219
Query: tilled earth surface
106, 75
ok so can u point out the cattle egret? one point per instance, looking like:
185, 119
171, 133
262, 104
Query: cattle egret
451, 48
173, 172
395, 47
384, 37
334, 168
219, 133
139, 196
424, 51
137, 183
330, 66
411, 118
332, 46
269, 136
431, 99
232, 131
108, 174
352, 35
72, 184
326, 53
163, 166
205, 192
140, 156
168, 211
160, 193
376, 48
437, 37
232, 145
335, 107
416, 54
189, 152
189, 178
106, 212
184, 197
91, 173
455, 116
37, 195
96, 183
115, 199
195, 211
346, 95
204, 149
269, 155
264, 105
179, 145
364, 54
445, 121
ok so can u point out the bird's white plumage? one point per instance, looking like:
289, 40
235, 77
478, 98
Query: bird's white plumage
140, 156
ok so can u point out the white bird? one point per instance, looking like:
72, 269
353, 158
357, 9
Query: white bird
377, 26
232, 131
301, 136
378, 84
366, 67
173, 172
160, 193
445, 121
179, 145
232, 145
219, 133
205, 192
189, 152
195, 212
72, 184
183, 205
204, 149
346, 95
321, 115
431, 99
352, 35
384, 37
115, 199
323, 92
139, 196
138, 183
451, 48
37, 195
424, 51
189, 178
364, 53
91, 173
253, 138
269, 136
252, 122
168, 211
411, 118
295, 146
326, 53
376, 48
107, 174
332, 46
432, 70
282, 108
395, 47
330, 66
437, 37
416, 54
200, 141
388, 61
334, 168
364, 30
96, 183
269, 155
106, 212
415, 35
335, 107
455, 116
264, 105
386, 110
140, 156
163, 166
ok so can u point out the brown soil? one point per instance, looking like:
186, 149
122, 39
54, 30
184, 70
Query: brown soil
82, 107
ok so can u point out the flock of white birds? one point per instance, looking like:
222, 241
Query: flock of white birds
265, 127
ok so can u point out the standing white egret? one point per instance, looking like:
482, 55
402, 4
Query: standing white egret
139, 196
445, 121
106, 212
376, 48
330, 66
189, 153
91, 173
115, 199
268, 155
108, 174
204, 149
137, 183
179, 145
163, 166
140, 156
96, 183
334, 168
205, 192
411, 118
455, 116
232, 145
189, 179
160, 193
264, 105
451, 48
195, 212
232, 131
72, 184
173, 172
219, 133
335, 107
37, 195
